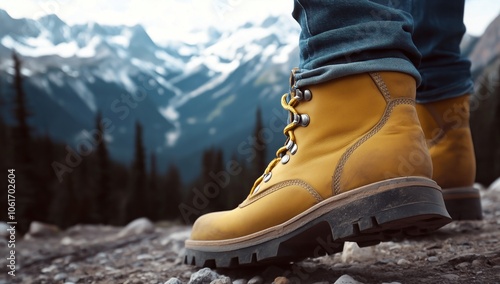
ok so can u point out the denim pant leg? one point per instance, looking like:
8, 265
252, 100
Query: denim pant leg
438, 32
345, 37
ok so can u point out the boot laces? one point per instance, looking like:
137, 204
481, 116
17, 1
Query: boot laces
288, 102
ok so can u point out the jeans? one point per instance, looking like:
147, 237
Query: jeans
418, 37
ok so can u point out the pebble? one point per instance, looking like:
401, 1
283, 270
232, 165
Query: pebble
38, 229
176, 240
462, 265
432, 259
346, 279
256, 280
60, 276
451, 277
49, 269
173, 280
203, 276
4, 234
403, 261
240, 281
222, 280
495, 186
477, 262
352, 252
145, 257
137, 227
340, 265
281, 280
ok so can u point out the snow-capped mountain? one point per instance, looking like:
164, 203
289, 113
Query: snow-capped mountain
188, 97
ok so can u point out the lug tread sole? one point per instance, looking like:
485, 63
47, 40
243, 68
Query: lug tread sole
389, 215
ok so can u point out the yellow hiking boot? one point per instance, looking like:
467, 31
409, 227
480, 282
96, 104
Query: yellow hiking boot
355, 167
446, 128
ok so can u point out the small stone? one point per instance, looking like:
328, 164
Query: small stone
477, 262
203, 276
3, 230
173, 280
60, 276
451, 277
49, 269
340, 265
144, 257
38, 230
352, 252
240, 281
73, 279
403, 262
495, 186
137, 227
391, 282
281, 280
462, 265
346, 279
222, 280
256, 280
176, 240
432, 259
395, 247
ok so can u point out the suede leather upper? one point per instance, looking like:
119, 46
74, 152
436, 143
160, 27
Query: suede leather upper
446, 127
359, 133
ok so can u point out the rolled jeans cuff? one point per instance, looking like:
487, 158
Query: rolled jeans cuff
304, 77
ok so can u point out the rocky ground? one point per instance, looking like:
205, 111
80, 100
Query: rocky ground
461, 252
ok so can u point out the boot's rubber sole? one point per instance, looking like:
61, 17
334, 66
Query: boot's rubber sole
382, 211
463, 203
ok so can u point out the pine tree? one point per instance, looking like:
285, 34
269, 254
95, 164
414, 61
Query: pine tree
4, 152
137, 201
28, 206
65, 210
4, 133
102, 189
22, 134
260, 161
171, 195
153, 201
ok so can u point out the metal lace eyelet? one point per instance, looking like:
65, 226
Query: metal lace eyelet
285, 159
307, 95
304, 120
292, 147
256, 189
267, 177
296, 119
298, 95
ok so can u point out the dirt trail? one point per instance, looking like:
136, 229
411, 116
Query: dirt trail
461, 252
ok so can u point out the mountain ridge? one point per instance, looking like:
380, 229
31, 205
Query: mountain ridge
189, 96
187, 89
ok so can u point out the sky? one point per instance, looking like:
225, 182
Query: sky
170, 20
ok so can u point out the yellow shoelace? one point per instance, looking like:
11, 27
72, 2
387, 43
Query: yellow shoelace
288, 131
